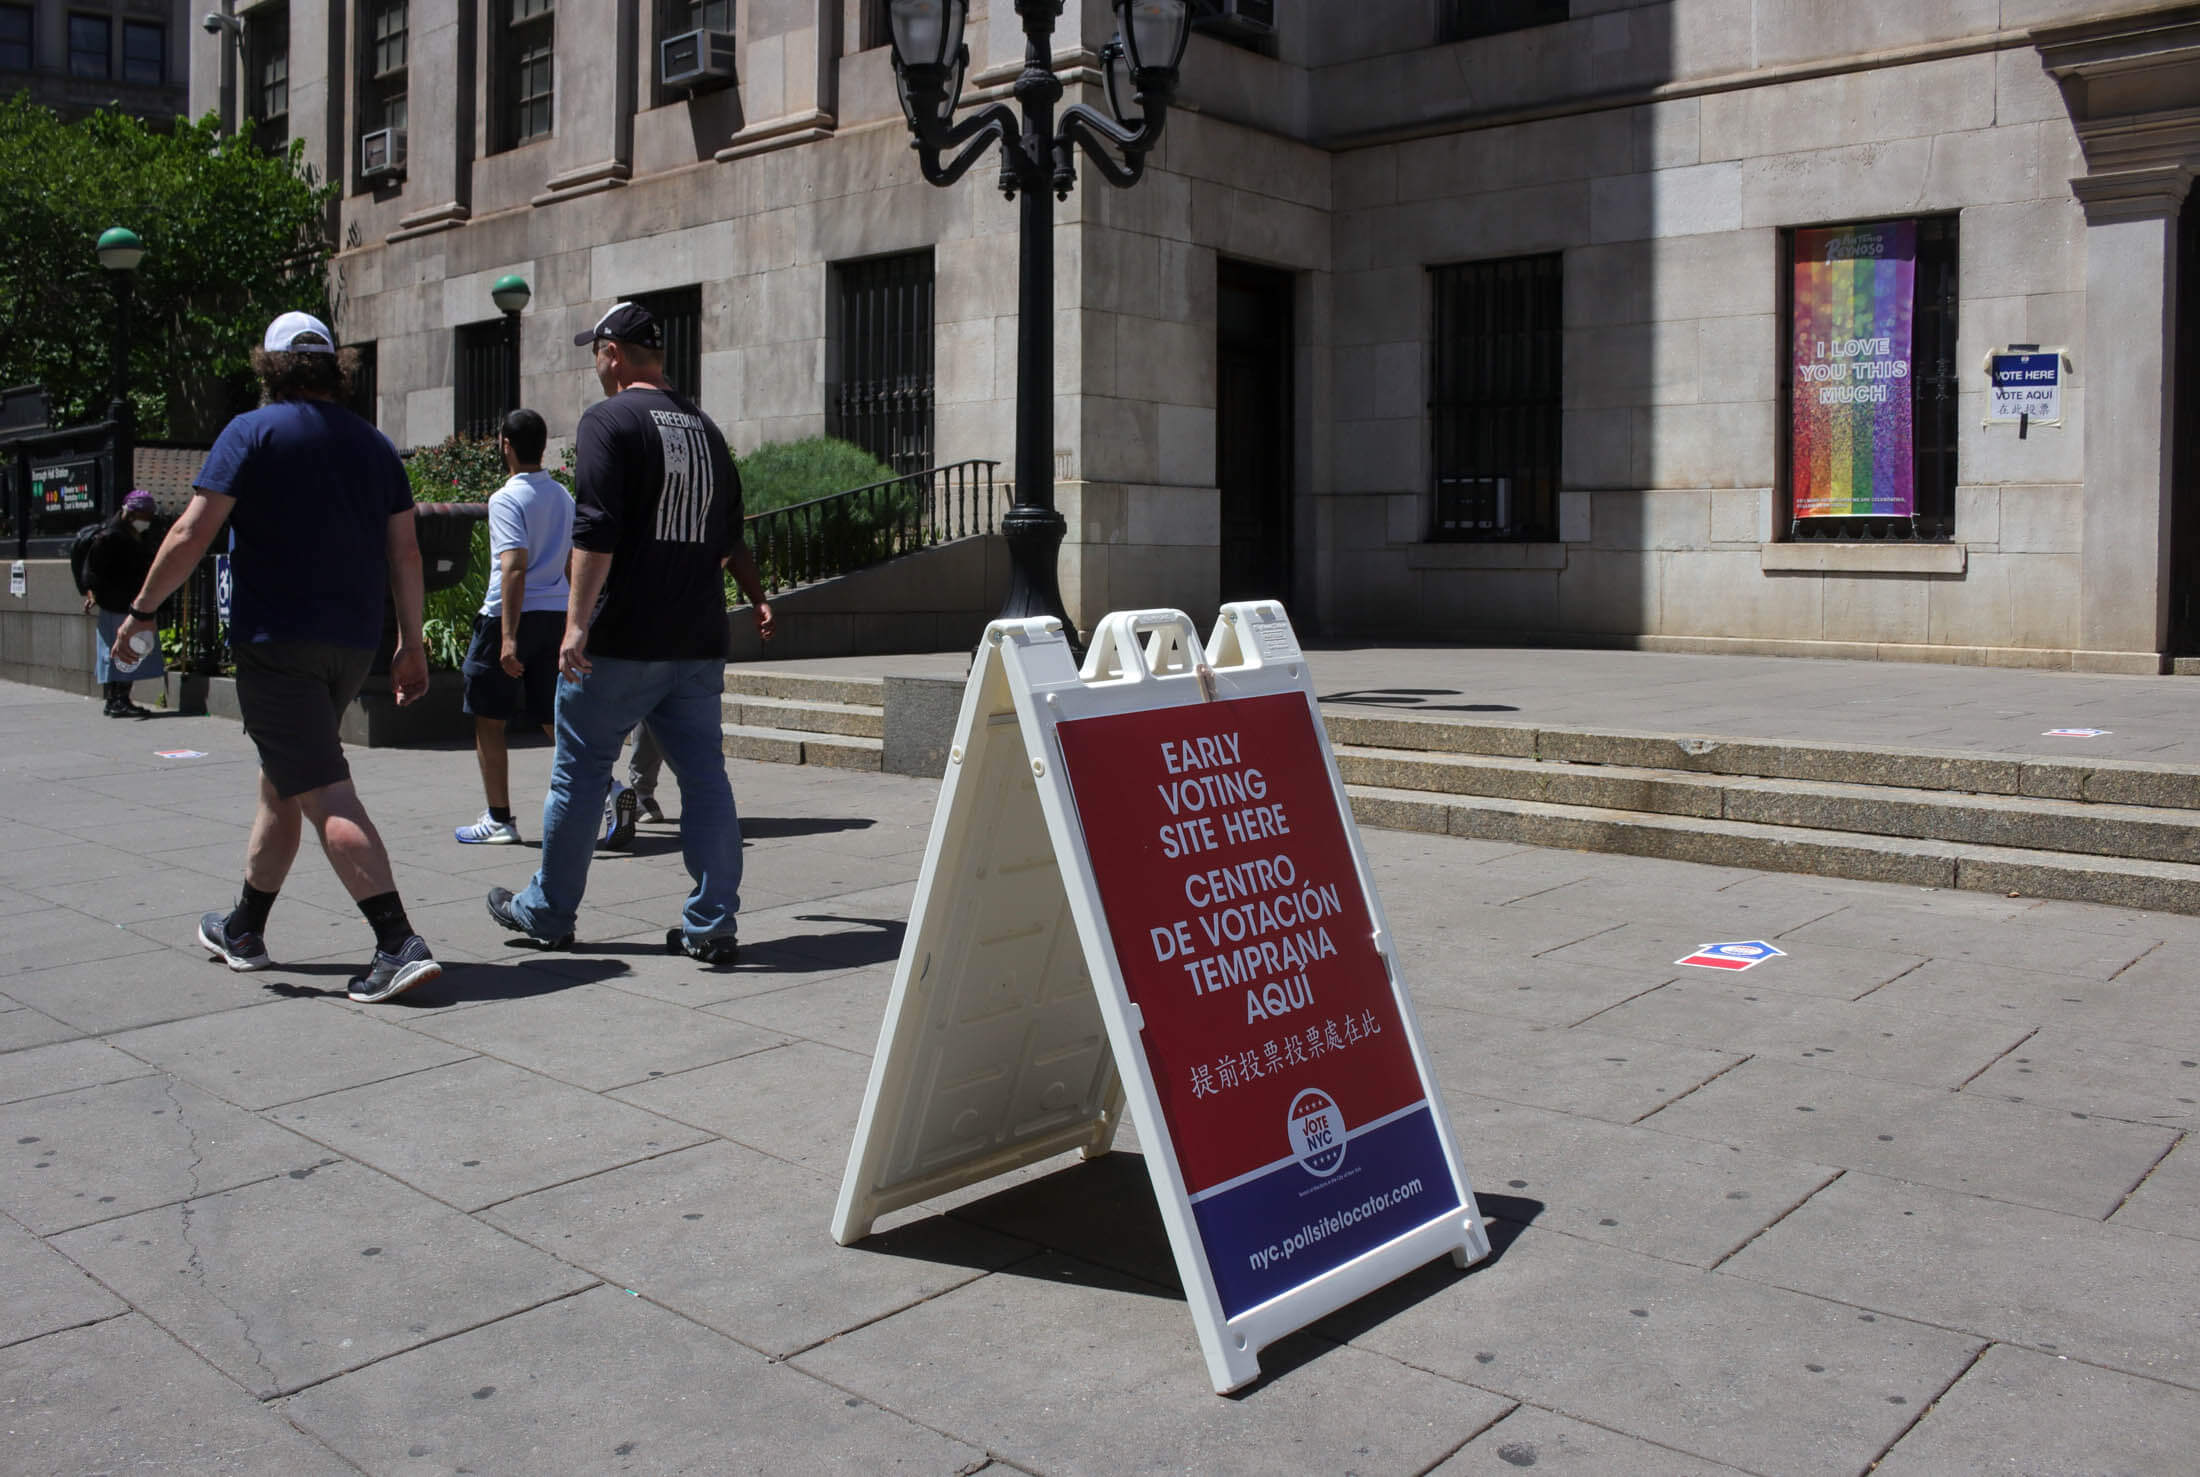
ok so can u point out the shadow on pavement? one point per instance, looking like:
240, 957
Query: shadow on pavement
1415, 698
772, 827
462, 982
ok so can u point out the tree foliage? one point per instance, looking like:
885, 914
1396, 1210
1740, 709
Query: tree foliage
233, 237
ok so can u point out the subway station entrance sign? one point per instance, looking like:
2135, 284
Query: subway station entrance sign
1144, 888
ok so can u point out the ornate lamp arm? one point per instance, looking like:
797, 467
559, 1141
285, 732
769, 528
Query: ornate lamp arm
995, 122
1102, 139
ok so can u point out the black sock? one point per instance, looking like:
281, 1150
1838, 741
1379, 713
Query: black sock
387, 914
250, 914
502, 814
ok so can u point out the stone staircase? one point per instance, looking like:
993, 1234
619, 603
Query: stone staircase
793, 718
2103, 831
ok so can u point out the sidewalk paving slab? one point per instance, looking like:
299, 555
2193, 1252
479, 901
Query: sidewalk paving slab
729, 1237
796, 1102
2061, 1068
597, 1036
282, 1283
64, 1067
2112, 1295
663, 1396
124, 1395
46, 1292
2168, 1199
100, 1153
1827, 969
1750, 1375
1567, 1448
1978, 1145
285, 1050
2017, 1411
478, 1131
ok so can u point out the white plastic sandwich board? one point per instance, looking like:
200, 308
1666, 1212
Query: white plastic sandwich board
1144, 884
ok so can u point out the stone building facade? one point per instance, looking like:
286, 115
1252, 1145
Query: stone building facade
1444, 319
75, 56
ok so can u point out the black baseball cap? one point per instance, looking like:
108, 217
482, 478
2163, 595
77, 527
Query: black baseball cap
626, 323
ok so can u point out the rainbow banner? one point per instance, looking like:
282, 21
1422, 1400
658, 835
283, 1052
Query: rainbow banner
1853, 430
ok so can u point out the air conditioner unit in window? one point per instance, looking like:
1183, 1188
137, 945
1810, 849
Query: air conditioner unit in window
382, 154
1235, 17
696, 60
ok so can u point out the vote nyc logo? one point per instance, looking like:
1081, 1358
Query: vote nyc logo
1316, 1127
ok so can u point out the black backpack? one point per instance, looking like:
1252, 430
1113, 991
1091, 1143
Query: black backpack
80, 555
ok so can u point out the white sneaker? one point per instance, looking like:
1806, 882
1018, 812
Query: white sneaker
489, 831
618, 818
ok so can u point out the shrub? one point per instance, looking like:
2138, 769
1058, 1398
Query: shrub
782, 472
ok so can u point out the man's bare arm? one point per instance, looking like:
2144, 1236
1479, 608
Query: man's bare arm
589, 571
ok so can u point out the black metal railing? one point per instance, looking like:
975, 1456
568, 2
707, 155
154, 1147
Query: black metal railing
194, 613
846, 531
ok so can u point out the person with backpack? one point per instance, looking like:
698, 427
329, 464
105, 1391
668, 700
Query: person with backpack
109, 561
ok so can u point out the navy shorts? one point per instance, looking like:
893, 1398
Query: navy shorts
293, 695
533, 695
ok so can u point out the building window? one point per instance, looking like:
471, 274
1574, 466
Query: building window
267, 52
527, 52
1463, 20
1870, 428
876, 27
679, 312
382, 99
879, 391
1496, 380
15, 38
144, 52
482, 384
683, 16
365, 397
88, 43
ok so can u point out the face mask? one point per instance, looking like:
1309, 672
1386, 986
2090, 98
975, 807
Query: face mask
141, 524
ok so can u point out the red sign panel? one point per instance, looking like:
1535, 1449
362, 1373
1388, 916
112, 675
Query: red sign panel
1236, 913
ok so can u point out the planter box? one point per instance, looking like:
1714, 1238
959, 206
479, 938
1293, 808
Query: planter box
373, 721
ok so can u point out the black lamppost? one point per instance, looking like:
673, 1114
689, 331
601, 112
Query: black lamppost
510, 294
1038, 158
120, 251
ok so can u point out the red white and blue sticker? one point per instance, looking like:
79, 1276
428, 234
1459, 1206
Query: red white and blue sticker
1299, 1121
1737, 956
2077, 733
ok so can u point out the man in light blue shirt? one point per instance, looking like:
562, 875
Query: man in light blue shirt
511, 669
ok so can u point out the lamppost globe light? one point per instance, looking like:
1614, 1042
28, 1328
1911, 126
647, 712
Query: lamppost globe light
927, 33
510, 293
120, 250
1155, 32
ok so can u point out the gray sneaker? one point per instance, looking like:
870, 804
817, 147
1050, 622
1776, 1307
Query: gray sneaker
240, 951
391, 975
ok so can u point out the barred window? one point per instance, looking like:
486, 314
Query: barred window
1496, 381
1463, 20
366, 387
89, 38
679, 312
481, 382
527, 71
880, 390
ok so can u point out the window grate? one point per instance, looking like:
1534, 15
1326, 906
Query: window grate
480, 382
1934, 384
679, 312
881, 396
1497, 381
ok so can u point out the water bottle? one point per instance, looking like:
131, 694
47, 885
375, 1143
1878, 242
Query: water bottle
141, 647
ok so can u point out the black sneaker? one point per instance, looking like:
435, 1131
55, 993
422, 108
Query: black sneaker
500, 908
391, 975
242, 952
720, 949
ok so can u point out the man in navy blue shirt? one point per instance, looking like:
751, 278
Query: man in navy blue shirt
321, 518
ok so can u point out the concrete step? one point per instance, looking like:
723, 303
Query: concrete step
806, 715
2103, 781
2151, 833
2124, 882
804, 687
790, 746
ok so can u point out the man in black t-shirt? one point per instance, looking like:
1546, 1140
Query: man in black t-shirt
657, 519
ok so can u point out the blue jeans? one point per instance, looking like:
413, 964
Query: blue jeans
681, 701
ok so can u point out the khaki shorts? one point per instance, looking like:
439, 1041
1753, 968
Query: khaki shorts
293, 695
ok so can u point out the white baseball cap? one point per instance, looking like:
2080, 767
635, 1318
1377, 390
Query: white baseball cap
298, 333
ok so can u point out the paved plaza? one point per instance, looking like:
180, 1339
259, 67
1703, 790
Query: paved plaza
1918, 1194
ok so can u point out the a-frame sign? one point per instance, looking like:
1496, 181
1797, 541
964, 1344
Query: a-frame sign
1143, 885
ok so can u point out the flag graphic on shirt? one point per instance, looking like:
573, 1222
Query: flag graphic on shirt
683, 511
